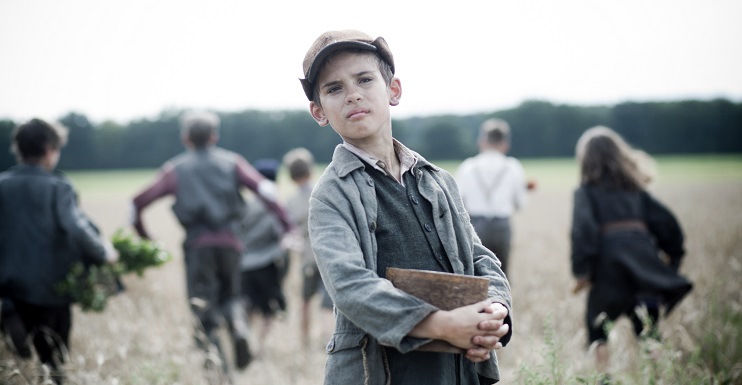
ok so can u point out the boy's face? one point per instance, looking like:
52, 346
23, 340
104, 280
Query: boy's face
354, 98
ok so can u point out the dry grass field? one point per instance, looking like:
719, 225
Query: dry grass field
144, 335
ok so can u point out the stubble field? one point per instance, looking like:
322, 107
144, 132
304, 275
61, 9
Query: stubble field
144, 335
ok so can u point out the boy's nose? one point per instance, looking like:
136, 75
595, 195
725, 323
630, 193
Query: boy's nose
354, 95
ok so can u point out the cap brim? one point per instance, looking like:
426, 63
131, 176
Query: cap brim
326, 51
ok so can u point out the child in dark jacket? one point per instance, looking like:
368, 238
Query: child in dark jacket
626, 245
43, 233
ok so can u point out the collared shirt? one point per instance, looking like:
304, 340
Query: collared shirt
492, 184
406, 159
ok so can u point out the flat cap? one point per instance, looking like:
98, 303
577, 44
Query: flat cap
332, 41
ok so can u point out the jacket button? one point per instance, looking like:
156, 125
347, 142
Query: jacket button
330, 345
372, 226
428, 228
415, 200
370, 182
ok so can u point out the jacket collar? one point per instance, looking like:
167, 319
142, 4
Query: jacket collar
346, 162
30, 168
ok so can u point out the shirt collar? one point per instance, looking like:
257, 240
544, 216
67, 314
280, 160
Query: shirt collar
407, 159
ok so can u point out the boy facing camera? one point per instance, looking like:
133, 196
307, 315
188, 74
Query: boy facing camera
378, 205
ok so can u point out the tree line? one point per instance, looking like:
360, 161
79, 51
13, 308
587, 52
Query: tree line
539, 129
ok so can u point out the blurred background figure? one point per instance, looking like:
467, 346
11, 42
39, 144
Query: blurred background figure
206, 181
493, 187
264, 262
43, 233
300, 164
626, 245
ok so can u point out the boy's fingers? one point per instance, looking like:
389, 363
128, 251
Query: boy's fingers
486, 342
496, 312
478, 354
483, 306
494, 328
496, 306
490, 325
502, 330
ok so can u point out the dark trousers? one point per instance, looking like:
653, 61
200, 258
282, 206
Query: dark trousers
644, 314
11, 325
263, 289
49, 327
213, 279
495, 234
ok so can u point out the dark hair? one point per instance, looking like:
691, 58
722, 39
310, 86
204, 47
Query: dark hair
299, 161
606, 160
199, 127
32, 139
495, 131
387, 73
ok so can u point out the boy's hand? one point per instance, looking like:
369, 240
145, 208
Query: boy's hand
458, 326
464, 324
493, 330
112, 255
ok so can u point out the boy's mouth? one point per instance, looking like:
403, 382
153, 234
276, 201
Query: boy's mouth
356, 113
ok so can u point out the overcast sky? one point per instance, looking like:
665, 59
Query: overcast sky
123, 60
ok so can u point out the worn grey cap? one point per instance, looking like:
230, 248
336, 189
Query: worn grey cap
332, 41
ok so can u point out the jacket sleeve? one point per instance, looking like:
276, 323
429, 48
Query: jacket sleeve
585, 235
80, 230
164, 184
665, 228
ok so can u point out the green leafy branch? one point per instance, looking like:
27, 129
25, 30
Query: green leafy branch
91, 286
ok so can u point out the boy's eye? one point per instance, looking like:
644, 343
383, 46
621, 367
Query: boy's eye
333, 89
365, 79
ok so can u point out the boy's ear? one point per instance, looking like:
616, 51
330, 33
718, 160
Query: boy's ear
395, 91
318, 114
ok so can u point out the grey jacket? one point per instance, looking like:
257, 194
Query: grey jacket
370, 312
43, 233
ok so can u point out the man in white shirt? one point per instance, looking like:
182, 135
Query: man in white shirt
493, 188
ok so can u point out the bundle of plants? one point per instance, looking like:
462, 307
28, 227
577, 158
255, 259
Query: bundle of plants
91, 286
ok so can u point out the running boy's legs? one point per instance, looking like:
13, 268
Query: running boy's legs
213, 279
50, 327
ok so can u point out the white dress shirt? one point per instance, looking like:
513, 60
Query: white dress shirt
492, 184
